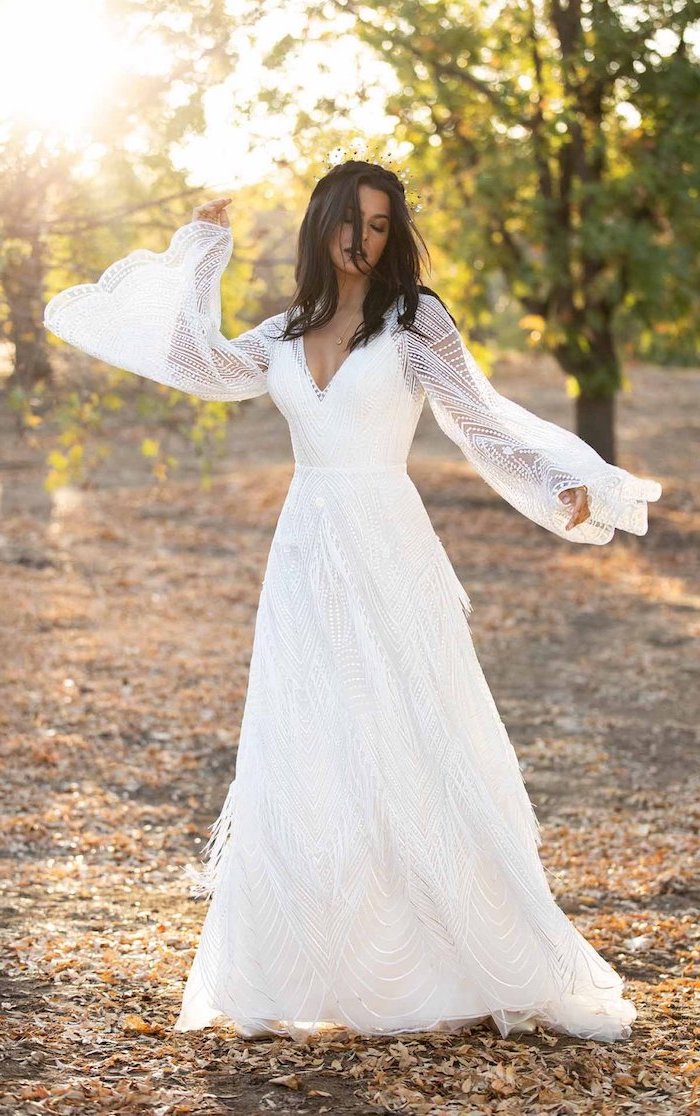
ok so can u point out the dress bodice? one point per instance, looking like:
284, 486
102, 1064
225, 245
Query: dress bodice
365, 416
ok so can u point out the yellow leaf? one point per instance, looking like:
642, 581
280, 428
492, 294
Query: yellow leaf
532, 321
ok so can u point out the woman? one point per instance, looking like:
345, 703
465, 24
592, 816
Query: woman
375, 863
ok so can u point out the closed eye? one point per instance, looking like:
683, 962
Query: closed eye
377, 228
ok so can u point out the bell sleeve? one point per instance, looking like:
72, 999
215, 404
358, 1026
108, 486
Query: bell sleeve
527, 460
158, 314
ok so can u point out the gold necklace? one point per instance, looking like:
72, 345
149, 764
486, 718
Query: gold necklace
339, 340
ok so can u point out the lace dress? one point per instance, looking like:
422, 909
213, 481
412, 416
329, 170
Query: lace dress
375, 863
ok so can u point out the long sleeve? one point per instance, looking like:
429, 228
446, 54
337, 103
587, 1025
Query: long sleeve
526, 459
158, 314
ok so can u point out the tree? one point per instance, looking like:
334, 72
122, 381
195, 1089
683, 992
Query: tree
568, 131
67, 209
580, 193
56, 215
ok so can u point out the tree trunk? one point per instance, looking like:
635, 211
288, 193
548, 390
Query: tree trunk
595, 423
596, 368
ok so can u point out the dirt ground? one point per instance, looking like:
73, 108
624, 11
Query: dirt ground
128, 611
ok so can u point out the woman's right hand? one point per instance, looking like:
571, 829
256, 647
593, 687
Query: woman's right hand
214, 211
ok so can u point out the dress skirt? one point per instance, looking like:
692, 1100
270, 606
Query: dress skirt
375, 864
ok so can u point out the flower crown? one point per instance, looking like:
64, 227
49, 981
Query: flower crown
374, 153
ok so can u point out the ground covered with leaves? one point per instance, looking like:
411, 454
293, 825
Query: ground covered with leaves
128, 619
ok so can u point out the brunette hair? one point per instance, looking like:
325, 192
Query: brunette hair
396, 274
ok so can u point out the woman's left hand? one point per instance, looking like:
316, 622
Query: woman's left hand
577, 500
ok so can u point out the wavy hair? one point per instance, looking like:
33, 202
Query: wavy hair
397, 272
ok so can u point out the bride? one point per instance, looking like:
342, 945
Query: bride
375, 864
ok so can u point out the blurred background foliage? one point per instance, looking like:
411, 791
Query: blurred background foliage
550, 154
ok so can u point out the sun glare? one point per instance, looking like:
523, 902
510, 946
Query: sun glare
56, 64
65, 63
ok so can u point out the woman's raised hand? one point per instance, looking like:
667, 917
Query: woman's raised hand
214, 211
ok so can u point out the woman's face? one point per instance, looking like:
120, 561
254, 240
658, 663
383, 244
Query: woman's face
375, 214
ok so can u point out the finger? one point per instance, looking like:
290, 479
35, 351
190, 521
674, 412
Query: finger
574, 520
213, 206
581, 513
215, 214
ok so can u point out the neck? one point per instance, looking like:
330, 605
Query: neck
351, 292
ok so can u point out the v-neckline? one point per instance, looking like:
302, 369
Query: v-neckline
321, 392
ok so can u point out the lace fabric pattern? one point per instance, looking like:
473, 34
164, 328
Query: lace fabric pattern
526, 459
375, 862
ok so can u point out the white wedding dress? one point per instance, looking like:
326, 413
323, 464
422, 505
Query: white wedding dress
375, 864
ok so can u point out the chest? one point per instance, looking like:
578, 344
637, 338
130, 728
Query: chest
368, 385
324, 354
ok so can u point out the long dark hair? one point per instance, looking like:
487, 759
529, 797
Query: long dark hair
398, 271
